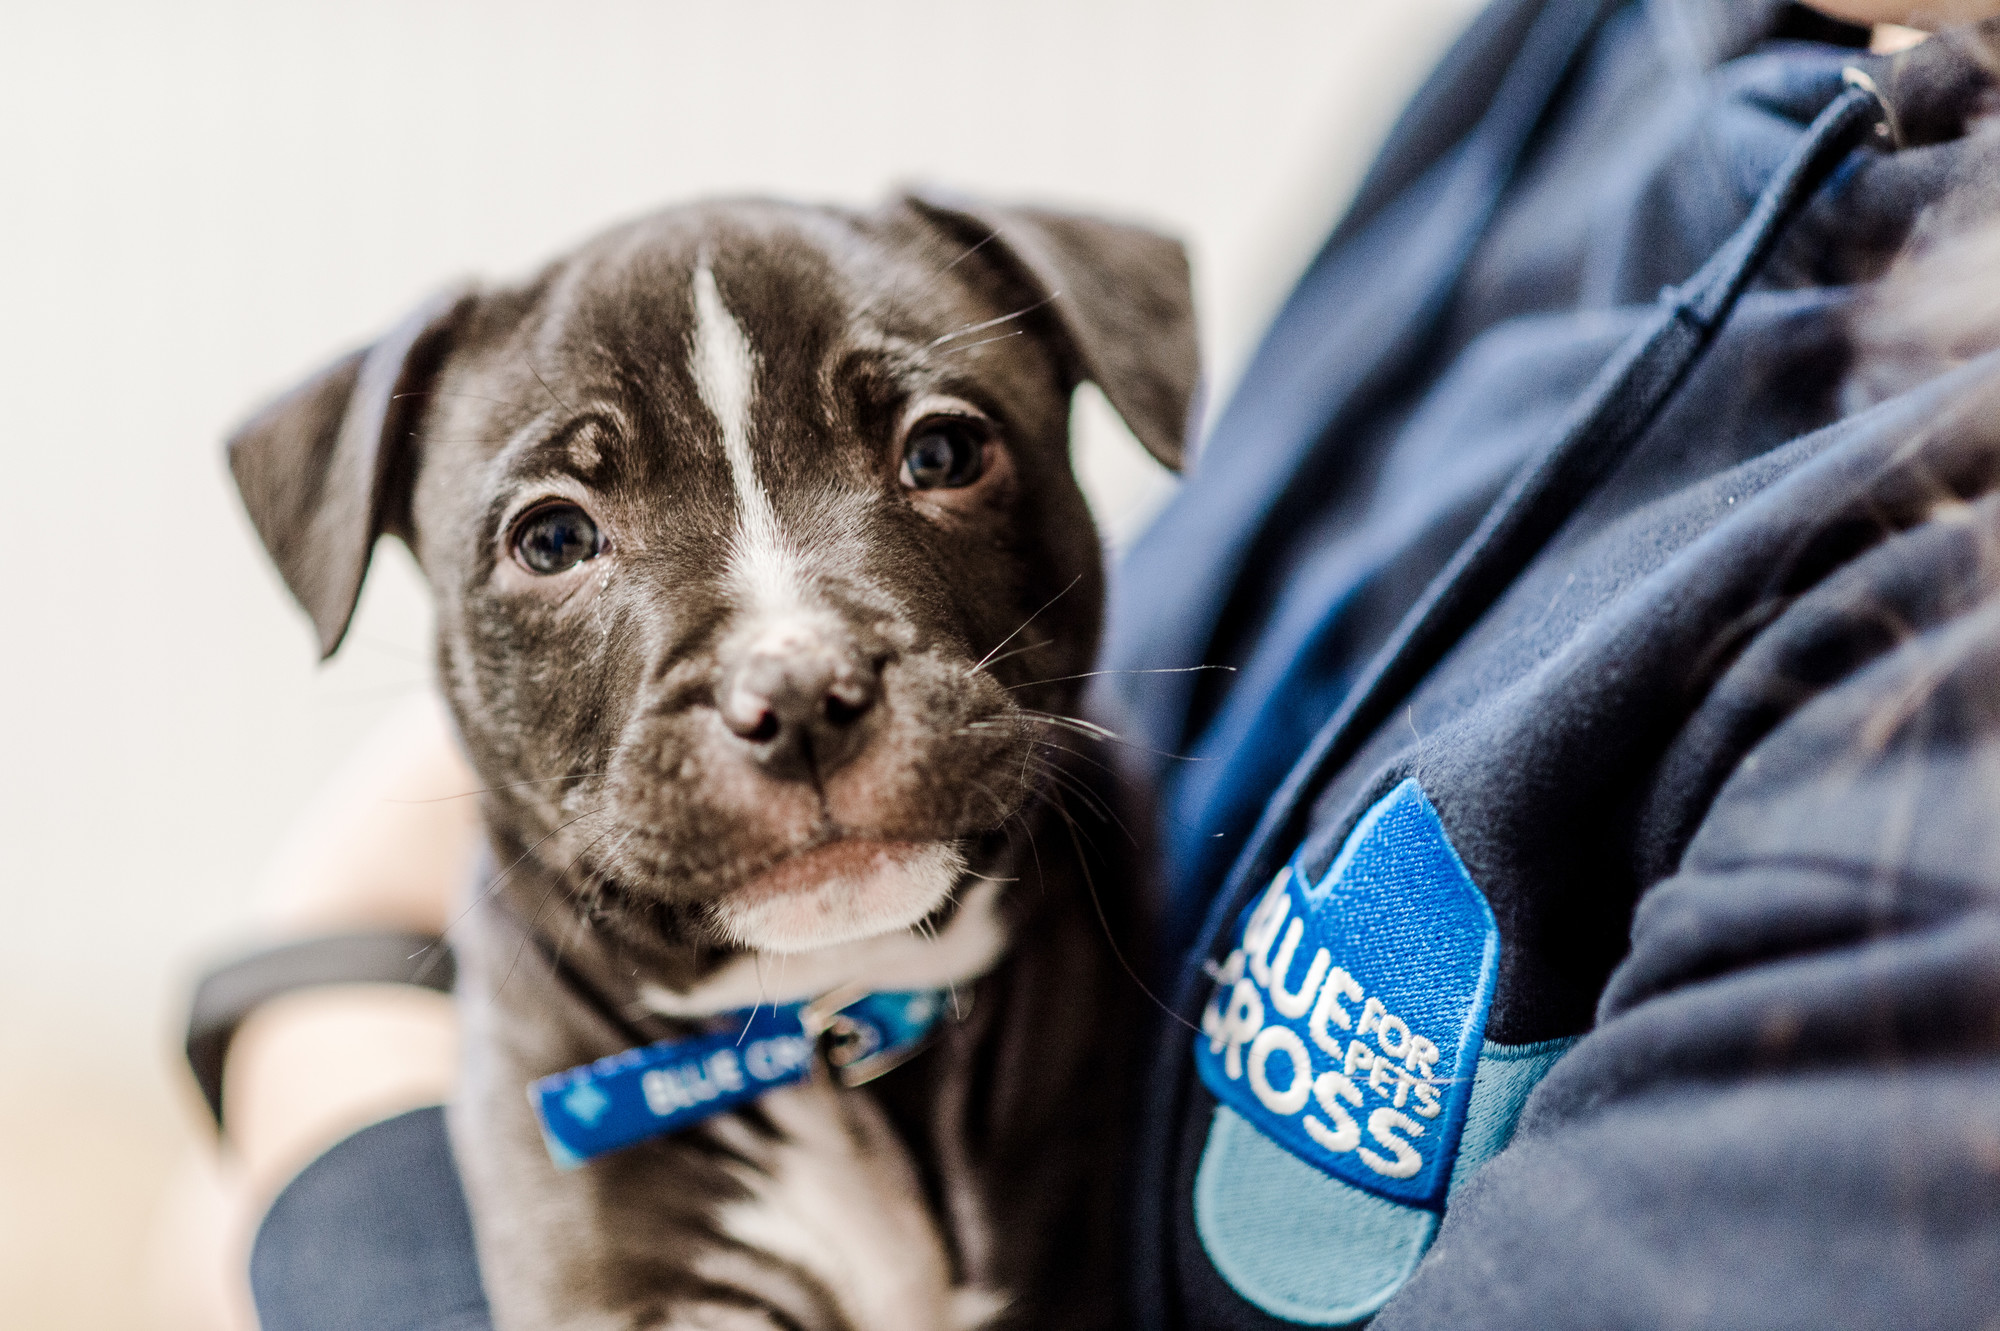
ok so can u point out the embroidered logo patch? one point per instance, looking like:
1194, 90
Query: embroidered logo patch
1346, 1024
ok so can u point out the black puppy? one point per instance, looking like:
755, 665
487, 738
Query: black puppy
763, 584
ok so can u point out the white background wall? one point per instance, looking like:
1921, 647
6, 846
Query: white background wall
199, 202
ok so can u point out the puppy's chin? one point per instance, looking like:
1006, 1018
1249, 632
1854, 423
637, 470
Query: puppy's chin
840, 893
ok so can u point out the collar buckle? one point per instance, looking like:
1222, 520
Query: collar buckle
859, 1035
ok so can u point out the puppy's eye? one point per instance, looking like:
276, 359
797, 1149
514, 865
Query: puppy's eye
943, 453
555, 537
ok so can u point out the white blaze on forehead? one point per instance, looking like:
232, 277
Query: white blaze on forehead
725, 374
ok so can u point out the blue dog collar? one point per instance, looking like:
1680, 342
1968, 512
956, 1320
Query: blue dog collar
660, 1088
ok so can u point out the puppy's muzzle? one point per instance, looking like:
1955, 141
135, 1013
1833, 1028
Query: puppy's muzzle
803, 701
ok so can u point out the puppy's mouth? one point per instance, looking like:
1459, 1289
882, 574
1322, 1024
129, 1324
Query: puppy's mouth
839, 892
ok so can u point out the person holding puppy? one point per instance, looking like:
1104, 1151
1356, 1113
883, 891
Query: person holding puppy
1580, 910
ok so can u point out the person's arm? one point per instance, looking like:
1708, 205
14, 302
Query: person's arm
387, 846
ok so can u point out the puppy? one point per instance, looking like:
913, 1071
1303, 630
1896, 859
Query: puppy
763, 589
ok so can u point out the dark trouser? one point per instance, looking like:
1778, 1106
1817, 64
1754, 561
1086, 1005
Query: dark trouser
372, 1236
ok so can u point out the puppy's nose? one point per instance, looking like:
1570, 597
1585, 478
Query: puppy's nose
799, 703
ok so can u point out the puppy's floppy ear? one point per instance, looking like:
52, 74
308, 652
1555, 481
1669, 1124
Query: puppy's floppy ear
326, 468
1120, 295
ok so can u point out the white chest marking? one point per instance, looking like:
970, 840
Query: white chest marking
836, 1194
725, 374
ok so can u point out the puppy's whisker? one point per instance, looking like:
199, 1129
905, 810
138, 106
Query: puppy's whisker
1096, 901
580, 921
1104, 815
984, 341
548, 894
601, 879
1075, 725
439, 392
964, 254
1026, 647
982, 662
990, 323
501, 877
1093, 674
1079, 755
1069, 782
757, 968
1055, 806
1097, 732
999, 805
529, 361
939, 275
576, 929
1064, 779
1055, 797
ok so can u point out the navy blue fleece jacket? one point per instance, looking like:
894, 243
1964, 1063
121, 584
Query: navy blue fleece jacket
1586, 888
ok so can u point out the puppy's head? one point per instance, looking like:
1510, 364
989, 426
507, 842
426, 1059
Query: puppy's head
754, 540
